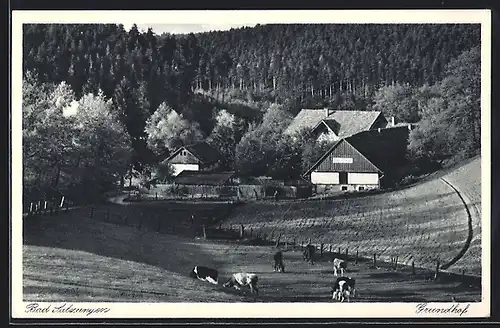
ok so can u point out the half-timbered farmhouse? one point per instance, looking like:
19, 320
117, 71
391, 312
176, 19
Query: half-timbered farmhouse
363, 161
196, 157
333, 125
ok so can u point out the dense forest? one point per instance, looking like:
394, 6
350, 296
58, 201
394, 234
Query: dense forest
238, 89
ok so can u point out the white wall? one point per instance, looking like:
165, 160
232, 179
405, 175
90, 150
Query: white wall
178, 168
325, 177
362, 178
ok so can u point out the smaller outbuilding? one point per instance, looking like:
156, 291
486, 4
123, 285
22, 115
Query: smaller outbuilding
196, 157
205, 178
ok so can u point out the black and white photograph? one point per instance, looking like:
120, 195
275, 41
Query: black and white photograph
176, 164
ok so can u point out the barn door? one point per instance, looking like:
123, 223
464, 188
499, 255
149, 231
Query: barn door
343, 177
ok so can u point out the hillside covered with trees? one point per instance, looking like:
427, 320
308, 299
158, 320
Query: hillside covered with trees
236, 89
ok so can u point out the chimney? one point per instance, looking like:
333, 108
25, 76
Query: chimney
327, 111
393, 121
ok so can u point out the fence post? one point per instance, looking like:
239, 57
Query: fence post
278, 240
204, 232
91, 212
321, 250
346, 254
156, 196
374, 260
396, 263
413, 267
242, 231
436, 274
357, 254
294, 240
251, 232
330, 249
339, 252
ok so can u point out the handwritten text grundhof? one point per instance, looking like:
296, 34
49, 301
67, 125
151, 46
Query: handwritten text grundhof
456, 308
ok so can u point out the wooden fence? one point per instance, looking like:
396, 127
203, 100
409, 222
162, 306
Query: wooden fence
44, 207
191, 226
239, 192
331, 251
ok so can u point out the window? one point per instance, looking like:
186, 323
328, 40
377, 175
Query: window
344, 188
361, 188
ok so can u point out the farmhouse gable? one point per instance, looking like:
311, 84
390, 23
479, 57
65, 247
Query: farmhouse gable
360, 161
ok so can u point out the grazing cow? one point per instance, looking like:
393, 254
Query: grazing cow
339, 265
309, 253
238, 280
344, 288
205, 274
278, 262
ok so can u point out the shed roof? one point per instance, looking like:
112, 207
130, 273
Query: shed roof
342, 122
187, 177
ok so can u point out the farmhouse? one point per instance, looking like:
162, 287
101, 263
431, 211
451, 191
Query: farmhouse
362, 161
196, 157
333, 125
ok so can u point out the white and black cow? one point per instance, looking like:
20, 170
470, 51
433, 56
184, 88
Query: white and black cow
344, 288
278, 262
308, 253
241, 279
339, 266
205, 274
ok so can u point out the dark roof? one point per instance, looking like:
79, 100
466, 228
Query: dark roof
201, 150
343, 122
203, 178
384, 148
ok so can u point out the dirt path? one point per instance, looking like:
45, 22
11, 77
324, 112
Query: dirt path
470, 232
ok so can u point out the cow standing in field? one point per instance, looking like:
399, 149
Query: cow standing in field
344, 288
339, 265
278, 262
205, 274
238, 280
309, 253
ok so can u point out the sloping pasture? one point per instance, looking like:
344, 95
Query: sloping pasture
424, 223
72, 258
